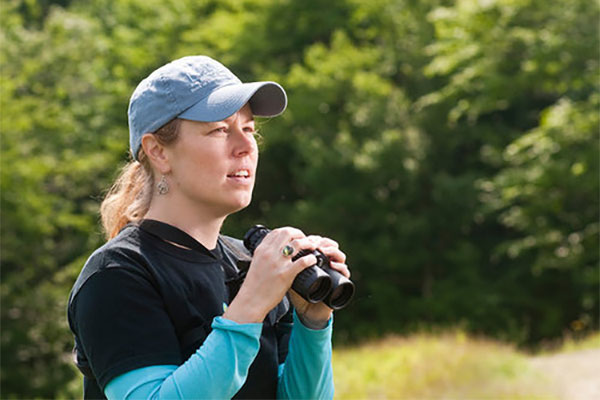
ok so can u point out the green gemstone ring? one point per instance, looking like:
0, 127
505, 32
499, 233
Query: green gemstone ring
287, 250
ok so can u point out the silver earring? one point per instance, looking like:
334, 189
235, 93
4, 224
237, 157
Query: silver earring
162, 186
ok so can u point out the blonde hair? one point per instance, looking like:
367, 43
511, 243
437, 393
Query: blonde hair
129, 198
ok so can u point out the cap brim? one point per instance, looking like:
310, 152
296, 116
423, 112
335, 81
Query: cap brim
267, 99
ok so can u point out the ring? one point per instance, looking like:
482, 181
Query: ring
287, 250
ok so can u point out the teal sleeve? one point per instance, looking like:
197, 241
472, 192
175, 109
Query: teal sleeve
218, 369
307, 372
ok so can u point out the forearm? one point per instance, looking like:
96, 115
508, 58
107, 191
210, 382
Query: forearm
218, 369
307, 372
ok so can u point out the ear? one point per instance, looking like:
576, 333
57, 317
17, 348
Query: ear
156, 153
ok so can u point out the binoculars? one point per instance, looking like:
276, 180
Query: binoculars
316, 283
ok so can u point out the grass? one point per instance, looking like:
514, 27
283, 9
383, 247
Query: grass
449, 366
570, 344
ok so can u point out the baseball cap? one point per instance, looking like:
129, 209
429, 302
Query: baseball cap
196, 88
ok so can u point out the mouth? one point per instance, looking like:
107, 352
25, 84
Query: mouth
240, 174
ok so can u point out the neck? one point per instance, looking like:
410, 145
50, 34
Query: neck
201, 226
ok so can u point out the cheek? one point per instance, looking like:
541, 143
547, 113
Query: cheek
206, 168
193, 165
255, 154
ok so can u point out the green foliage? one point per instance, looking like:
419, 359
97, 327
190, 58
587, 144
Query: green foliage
547, 196
50, 173
450, 147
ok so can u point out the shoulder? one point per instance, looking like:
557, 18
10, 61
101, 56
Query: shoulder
111, 283
123, 251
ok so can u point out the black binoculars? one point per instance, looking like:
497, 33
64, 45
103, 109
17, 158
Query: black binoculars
316, 283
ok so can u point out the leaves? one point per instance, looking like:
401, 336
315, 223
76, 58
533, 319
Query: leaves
450, 148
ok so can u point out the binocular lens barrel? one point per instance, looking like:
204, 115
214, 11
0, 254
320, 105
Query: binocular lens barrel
316, 283
313, 284
340, 296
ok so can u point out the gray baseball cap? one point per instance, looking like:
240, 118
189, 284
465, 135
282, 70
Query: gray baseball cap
196, 88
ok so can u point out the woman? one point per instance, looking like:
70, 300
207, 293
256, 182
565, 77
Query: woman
159, 311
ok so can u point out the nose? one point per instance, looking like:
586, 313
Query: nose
244, 142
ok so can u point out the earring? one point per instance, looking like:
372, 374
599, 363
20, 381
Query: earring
162, 186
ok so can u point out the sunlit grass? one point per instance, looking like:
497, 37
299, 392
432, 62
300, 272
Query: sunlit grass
450, 366
591, 342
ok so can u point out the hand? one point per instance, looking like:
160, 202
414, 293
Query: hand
317, 315
270, 275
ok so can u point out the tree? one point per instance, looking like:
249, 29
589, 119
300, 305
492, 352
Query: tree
527, 73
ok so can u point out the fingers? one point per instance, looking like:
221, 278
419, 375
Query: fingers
274, 243
301, 244
336, 260
281, 245
328, 246
282, 236
323, 241
341, 268
331, 249
287, 236
287, 242
334, 254
303, 263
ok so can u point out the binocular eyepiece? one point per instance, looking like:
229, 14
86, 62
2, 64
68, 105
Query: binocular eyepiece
316, 283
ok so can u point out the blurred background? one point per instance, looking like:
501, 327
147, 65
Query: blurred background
450, 147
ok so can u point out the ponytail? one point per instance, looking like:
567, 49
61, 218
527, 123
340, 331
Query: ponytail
129, 198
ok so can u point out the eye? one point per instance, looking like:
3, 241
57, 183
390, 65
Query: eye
221, 130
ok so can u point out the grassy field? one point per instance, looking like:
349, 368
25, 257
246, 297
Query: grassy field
449, 366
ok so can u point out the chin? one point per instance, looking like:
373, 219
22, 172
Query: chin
240, 205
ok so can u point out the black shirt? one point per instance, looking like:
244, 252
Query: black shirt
140, 300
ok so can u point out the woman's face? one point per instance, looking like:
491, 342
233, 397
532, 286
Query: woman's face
213, 164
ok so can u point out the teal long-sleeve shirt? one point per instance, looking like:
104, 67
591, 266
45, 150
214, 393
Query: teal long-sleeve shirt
218, 369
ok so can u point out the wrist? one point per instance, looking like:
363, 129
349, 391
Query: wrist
242, 316
243, 310
314, 323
